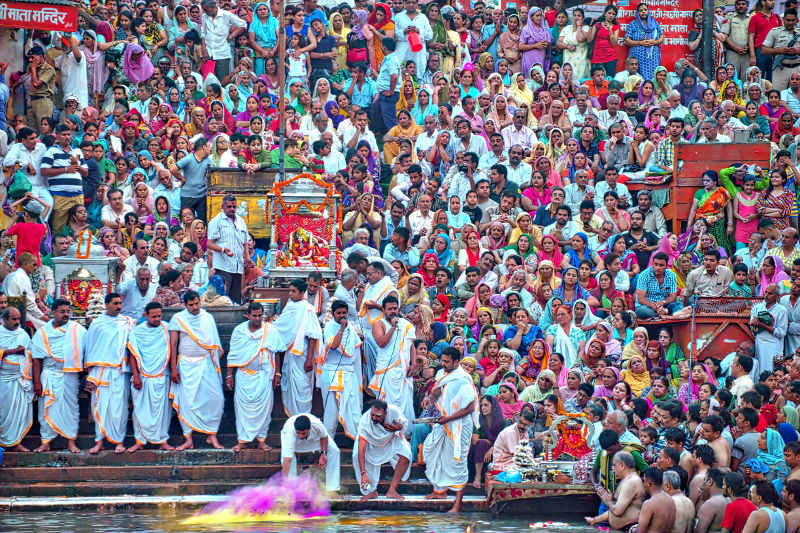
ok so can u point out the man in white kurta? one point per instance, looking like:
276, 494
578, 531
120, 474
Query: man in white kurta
412, 18
396, 361
341, 373
370, 305
254, 344
57, 349
791, 302
769, 340
195, 351
380, 441
18, 283
446, 448
306, 433
317, 295
298, 328
16, 382
149, 348
109, 373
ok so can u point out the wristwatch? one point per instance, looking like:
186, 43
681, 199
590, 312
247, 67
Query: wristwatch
323, 452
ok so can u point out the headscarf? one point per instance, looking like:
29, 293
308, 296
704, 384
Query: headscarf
359, 19
666, 247
777, 276
482, 59
137, 71
737, 98
264, 31
459, 219
493, 244
792, 417
428, 281
407, 298
96, 57
336, 118
507, 75
496, 423
650, 28
662, 361
373, 18
439, 31
695, 93
115, 247
515, 246
638, 382
534, 85
589, 317
538, 394
613, 346
788, 433
417, 113
574, 260
445, 301
445, 257
631, 349
532, 33
696, 388
521, 95
631, 82
774, 454
557, 255
565, 392
656, 95
604, 392
510, 410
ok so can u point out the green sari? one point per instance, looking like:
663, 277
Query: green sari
674, 355
711, 207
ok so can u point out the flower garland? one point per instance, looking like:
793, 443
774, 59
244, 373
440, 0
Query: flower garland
78, 253
80, 292
319, 209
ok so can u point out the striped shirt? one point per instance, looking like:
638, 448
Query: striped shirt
231, 235
69, 183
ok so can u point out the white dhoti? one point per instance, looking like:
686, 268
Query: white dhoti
291, 446
16, 387
390, 382
375, 293
151, 404
382, 447
61, 352
341, 379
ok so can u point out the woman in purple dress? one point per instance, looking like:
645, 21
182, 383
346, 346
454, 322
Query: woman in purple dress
535, 42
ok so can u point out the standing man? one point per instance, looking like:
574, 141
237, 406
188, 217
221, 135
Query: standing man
299, 330
791, 302
388, 85
43, 85
137, 293
219, 28
396, 359
254, 344
447, 446
317, 295
324, 54
344, 292
370, 306
760, 25
658, 511
411, 21
26, 156
380, 441
149, 348
16, 385
109, 374
491, 32
195, 351
306, 433
735, 29
227, 235
782, 47
57, 350
712, 510
341, 373
191, 173
65, 169
769, 338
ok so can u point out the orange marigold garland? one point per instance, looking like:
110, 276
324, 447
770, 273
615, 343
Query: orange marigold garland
78, 253
318, 209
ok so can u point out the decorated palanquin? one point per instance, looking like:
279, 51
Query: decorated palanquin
306, 218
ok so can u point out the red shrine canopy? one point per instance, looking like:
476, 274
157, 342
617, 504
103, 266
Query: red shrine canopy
53, 15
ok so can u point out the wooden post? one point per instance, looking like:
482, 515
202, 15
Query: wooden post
708, 38
281, 93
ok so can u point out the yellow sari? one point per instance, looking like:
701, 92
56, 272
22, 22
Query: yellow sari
341, 50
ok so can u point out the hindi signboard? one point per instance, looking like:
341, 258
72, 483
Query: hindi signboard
35, 16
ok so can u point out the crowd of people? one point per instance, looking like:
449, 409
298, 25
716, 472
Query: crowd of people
496, 271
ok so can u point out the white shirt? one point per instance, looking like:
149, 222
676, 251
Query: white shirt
19, 154
133, 303
314, 135
521, 174
289, 440
132, 265
425, 141
569, 229
574, 114
606, 120
719, 139
74, 78
524, 137
334, 162
678, 112
228, 160
476, 145
230, 234
368, 136
215, 32
418, 222
107, 213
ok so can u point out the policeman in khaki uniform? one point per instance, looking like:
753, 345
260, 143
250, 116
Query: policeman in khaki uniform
783, 43
736, 38
43, 82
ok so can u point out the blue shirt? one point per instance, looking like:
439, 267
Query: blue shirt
487, 32
362, 98
654, 291
317, 14
5, 93
410, 257
389, 67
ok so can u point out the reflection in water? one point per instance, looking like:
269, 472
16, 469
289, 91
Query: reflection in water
169, 521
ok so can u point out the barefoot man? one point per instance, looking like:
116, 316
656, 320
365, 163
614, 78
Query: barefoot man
684, 508
625, 504
195, 351
148, 345
306, 433
109, 373
658, 512
254, 344
702, 459
446, 448
16, 382
341, 373
57, 350
380, 441
712, 510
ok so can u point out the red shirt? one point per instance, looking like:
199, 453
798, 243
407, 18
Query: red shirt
29, 238
489, 366
736, 514
760, 26
604, 50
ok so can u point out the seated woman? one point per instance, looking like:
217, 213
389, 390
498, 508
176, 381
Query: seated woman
545, 384
606, 293
621, 397
655, 358
604, 332
610, 377
77, 217
480, 301
162, 212
492, 422
637, 346
628, 266
579, 251
636, 375
690, 392
672, 350
584, 319
660, 391
623, 322
169, 283
564, 337
108, 240
510, 405
530, 366
571, 291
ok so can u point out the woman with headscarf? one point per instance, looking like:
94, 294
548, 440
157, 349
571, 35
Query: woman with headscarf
382, 26
263, 34
791, 423
690, 392
604, 332
636, 375
637, 345
545, 384
508, 44
570, 390
564, 337
520, 91
535, 41
441, 42
644, 36
530, 365
492, 422
772, 273
611, 376
96, 68
550, 251
769, 464
558, 118
420, 110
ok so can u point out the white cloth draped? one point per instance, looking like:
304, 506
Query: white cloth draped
341, 368
253, 353
383, 446
16, 387
296, 324
61, 351
563, 345
291, 445
375, 293
151, 409
198, 397
390, 382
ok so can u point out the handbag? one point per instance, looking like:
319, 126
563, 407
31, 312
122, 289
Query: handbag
19, 185
356, 55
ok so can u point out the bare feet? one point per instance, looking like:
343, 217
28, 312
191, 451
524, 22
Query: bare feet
436, 496
120, 448
135, 448
19, 448
239, 447
393, 495
371, 496
263, 446
477, 483
456, 509
43, 448
72, 447
166, 446
589, 520
97, 447
212, 440
188, 445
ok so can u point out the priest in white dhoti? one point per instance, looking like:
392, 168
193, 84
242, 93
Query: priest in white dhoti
344, 292
341, 373
446, 448
16, 382
149, 349
57, 349
370, 305
306, 433
317, 295
396, 360
791, 302
109, 373
769, 339
18, 283
195, 351
380, 441
405, 22
299, 330
254, 344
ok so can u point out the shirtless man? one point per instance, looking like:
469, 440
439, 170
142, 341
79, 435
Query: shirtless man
768, 517
684, 508
710, 513
791, 455
658, 512
624, 506
791, 498
711, 430
702, 459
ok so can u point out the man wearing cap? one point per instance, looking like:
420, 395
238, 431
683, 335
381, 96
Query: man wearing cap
72, 65
43, 82
653, 216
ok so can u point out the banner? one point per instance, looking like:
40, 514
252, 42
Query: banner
38, 16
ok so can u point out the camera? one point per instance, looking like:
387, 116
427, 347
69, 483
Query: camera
463, 168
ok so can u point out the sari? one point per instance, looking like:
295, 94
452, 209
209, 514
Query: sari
630, 350
510, 410
429, 280
565, 392
773, 457
679, 274
711, 208
638, 382
534, 393
613, 346
674, 355
604, 392
532, 367
386, 25
533, 34
557, 256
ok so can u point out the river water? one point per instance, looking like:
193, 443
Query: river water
169, 521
